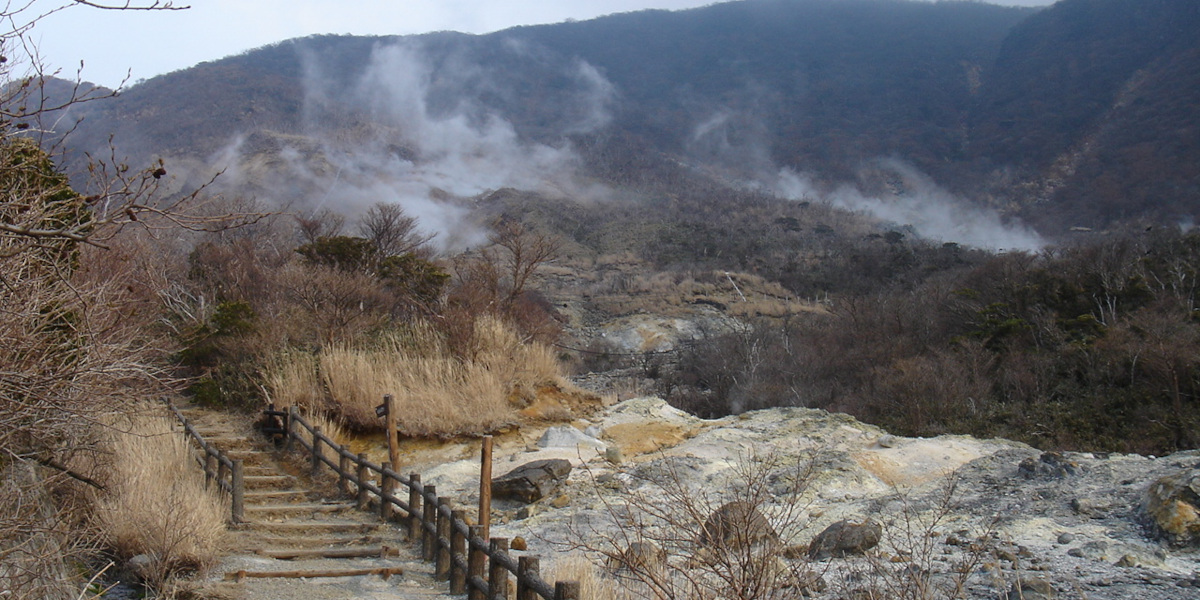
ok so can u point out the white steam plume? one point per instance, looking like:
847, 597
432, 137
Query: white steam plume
392, 137
917, 201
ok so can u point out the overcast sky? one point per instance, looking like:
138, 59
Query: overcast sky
145, 44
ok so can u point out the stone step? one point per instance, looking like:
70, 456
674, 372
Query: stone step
313, 527
384, 572
261, 470
381, 551
268, 482
297, 509
325, 541
230, 442
249, 457
266, 496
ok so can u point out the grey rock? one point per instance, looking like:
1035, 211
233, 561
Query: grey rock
1088, 507
736, 524
1066, 538
1097, 550
139, 566
844, 538
888, 441
1052, 465
1030, 589
532, 481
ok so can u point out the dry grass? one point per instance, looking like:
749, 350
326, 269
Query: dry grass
437, 393
592, 583
156, 503
291, 380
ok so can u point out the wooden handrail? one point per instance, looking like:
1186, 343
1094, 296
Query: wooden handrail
424, 509
228, 474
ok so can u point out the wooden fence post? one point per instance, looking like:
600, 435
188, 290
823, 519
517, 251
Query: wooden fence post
385, 493
414, 508
222, 472
316, 452
430, 519
210, 467
343, 470
485, 486
476, 564
441, 569
566, 590
289, 442
458, 550
497, 574
527, 567
393, 439
364, 495
238, 492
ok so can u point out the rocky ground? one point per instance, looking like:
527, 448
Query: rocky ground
991, 517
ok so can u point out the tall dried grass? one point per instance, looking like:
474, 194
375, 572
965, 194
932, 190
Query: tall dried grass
437, 393
593, 585
156, 503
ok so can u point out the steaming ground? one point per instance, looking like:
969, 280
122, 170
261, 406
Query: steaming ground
912, 199
397, 135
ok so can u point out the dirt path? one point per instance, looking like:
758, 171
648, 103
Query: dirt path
298, 527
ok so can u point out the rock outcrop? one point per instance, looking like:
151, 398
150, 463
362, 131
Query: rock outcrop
531, 481
1033, 524
1173, 505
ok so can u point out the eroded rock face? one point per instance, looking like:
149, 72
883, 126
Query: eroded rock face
532, 481
845, 538
1172, 504
736, 525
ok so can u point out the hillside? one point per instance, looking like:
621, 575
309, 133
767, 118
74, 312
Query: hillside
1080, 114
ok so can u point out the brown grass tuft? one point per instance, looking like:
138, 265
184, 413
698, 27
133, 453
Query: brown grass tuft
437, 393
592, 583
156, 502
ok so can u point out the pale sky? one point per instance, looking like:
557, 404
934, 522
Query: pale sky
145, 44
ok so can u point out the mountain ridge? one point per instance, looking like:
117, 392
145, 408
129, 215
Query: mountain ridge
1009, 107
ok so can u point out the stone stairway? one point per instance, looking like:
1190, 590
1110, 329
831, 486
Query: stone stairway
302, 541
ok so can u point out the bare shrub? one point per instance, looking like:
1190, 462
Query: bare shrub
912, 567
155, 502
699, 548
43, 531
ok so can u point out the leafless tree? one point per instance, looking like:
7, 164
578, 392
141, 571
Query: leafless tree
74, 314
392, 231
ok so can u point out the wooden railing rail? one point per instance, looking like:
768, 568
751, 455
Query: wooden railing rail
225, 472
478, 567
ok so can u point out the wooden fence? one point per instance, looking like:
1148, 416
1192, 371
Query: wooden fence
474, 566
218, 468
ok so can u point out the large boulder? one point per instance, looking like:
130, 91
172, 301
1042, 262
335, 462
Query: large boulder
1172, 504
844, 538
531, 481
736, 524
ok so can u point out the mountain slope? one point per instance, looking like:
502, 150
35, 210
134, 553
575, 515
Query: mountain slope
1083, 112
